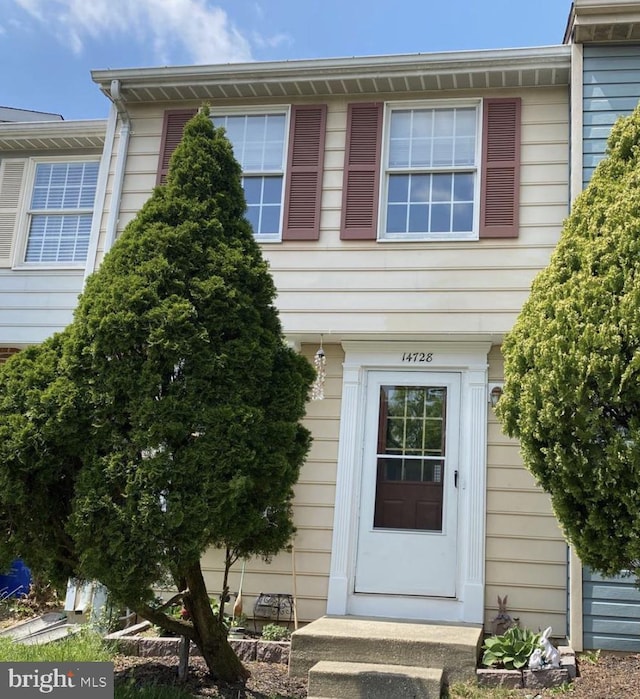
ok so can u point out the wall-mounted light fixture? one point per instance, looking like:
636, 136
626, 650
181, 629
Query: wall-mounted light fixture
495, 393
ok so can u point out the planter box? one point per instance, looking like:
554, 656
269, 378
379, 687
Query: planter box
514, 679
531, 679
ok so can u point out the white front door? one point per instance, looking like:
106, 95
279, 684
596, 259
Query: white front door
407, 531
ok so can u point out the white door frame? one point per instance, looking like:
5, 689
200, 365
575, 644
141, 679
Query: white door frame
470, 359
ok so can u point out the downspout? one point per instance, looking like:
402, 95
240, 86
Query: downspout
101, 191
121, 159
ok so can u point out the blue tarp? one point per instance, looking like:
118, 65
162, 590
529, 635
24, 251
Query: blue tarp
16, 582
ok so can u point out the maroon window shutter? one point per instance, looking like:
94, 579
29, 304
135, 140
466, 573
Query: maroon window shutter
500, 191
172, 128
361, 172
305, 160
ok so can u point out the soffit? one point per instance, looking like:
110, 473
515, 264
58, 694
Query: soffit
52, 135
595, 21
478, 70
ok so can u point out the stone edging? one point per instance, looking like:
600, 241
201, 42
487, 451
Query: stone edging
531, 679
247, 649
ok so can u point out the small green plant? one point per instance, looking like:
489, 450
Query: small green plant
238, 621
511, 650
471, 690
565, 688
274, 632
589, 656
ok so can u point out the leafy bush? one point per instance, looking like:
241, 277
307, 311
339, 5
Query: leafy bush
572, 392
274, 632
512, 649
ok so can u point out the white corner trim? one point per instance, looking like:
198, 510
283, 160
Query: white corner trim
577, 118
576, 608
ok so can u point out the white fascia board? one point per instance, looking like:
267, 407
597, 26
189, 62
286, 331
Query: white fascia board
325, 68
604, 7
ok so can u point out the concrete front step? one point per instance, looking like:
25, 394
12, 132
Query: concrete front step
452, 648
340, 680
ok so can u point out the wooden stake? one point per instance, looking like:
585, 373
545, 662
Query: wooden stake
183, 665
237, 607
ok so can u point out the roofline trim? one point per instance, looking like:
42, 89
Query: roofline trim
324, 68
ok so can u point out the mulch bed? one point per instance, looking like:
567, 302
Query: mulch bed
267, 681
613, 676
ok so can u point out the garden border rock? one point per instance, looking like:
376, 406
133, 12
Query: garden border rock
128, 642
531, 679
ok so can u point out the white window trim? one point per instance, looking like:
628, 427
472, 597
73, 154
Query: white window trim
24, 214
470, 360
256, 111
389, 107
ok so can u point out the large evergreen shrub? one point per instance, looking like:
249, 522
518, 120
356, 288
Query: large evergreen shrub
572, 365
177, 400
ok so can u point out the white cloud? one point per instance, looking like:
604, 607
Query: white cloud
31, 6
196, 29
271, 42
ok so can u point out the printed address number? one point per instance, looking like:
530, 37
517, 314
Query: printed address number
417, 357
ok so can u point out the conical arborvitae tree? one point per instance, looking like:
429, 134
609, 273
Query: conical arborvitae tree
572, 366
192, 399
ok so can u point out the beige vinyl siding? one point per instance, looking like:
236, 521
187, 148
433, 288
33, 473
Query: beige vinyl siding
313, 515
526, 555
359, 287
362, 287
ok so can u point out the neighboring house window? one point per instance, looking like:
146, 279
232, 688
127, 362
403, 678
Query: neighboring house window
259, 146
430, 169
61, 211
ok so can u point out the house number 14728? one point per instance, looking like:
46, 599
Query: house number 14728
418, 357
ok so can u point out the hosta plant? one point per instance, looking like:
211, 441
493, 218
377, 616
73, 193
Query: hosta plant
511, 650
274, 632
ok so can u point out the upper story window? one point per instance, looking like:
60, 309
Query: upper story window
430, 186
281, 151
61, 211
436, 171
258, 142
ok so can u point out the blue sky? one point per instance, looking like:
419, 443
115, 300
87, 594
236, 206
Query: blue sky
49, 47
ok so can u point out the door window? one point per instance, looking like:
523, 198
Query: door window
411, 457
